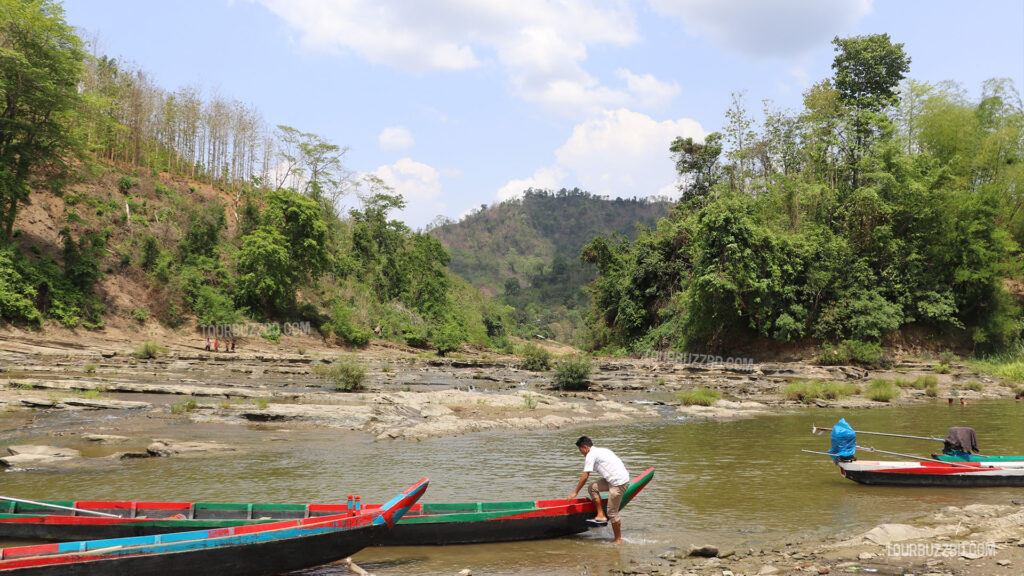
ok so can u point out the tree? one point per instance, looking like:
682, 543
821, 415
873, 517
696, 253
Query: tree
697, 165
40, 66
316, 164
868, 70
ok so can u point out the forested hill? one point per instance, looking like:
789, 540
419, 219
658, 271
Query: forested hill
523, 237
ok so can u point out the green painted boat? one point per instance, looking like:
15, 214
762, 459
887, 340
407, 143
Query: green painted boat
963, 457
423, 524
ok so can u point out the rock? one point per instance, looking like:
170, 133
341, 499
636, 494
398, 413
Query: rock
824, 570
33, 402
888, 533
97, 404
185, 448
866, 555
1003, 562
706, 551
767, 570
105, 438
28, 456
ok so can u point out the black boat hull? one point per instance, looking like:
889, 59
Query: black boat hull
256, 559
933, 480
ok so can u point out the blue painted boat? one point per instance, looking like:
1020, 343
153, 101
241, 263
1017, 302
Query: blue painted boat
250, 550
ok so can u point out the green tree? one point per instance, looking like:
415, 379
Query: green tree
697, 165
40, 66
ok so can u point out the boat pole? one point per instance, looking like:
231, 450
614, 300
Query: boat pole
870, 449
818, 429
46, 505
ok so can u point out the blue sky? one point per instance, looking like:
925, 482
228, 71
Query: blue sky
459, 103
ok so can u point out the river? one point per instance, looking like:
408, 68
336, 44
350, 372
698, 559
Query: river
737, 484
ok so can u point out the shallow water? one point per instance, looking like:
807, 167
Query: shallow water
741, 484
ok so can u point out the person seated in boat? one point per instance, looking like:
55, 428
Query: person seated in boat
614, 480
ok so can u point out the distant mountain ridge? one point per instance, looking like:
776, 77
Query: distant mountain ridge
519, 237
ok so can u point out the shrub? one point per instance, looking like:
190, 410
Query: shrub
573, 373
344, 329
941, 368
90, 368
124, 184
535, 358
447, 337
140, 314
851, 351
881, 390
187, 405
699, 397
344, 374
974, 385
148, 350
947, 357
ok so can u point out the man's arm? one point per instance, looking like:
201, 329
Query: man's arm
583, 480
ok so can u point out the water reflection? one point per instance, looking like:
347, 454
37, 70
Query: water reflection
735, 484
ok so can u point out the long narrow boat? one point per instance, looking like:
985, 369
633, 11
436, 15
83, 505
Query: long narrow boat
423, 524
964, 457
251, 550
947, 474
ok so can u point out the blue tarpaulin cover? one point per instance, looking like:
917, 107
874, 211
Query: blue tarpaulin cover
844, 440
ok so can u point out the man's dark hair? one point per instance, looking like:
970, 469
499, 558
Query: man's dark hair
584, 441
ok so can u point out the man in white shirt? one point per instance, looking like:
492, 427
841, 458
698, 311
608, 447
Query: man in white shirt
614, 479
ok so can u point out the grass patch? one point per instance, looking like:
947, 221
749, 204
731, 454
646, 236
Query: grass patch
881, 390
810, 390
89, 394
942, 368
261, 403
148, 350
974, 385
573, 373
529, 401
187, 405
344, 374
699, 397
90, 368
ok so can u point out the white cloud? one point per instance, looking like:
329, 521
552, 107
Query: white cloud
549, 178
395, 139
767, 28
624, 153
619, 153
542, 45
648, 90
420, 185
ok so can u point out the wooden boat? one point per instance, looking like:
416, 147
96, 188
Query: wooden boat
925, 473
964, 457
249, 550
423, 524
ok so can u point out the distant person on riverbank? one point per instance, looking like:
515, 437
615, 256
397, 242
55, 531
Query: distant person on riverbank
207, 344
614, 480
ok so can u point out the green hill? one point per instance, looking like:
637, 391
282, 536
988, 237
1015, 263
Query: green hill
526, 252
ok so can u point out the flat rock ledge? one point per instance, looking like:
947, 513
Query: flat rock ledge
724, 410
30, 457
167, 447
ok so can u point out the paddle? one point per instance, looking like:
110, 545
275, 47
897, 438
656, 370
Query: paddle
817, 430
45, 505
869, 449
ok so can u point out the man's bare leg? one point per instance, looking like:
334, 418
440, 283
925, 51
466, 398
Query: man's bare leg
617, 530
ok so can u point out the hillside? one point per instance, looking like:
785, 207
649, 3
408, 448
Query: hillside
526, 252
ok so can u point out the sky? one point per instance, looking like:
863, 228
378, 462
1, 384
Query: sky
457, 104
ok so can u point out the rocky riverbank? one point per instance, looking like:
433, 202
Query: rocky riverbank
974, 540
